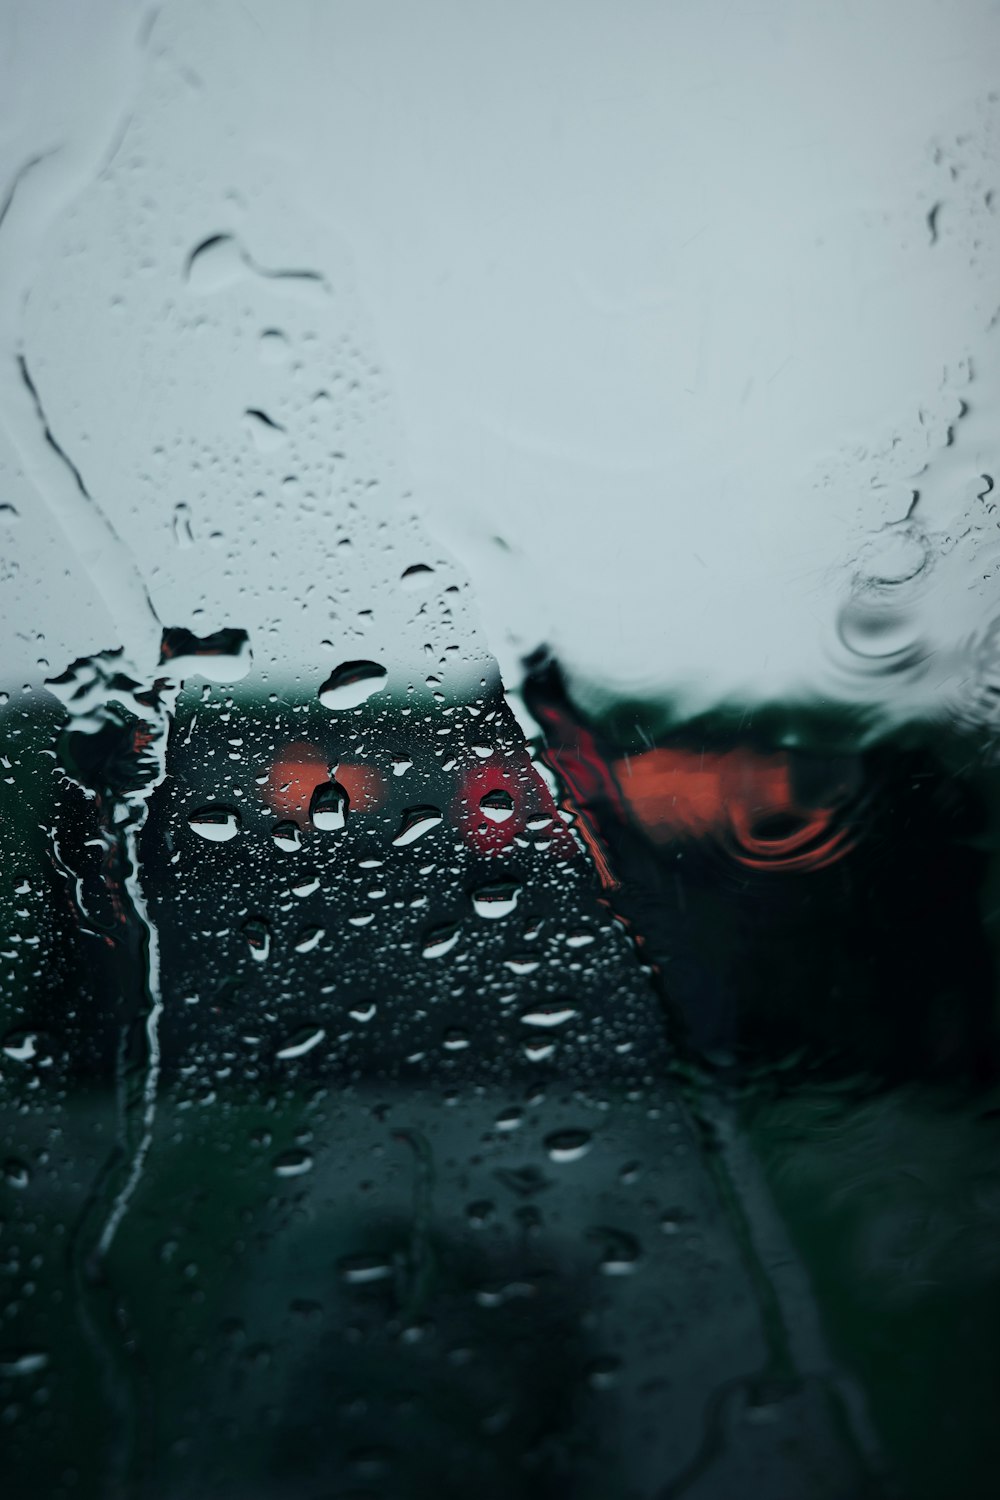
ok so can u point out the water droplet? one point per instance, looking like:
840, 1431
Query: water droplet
579, 939
880, 633
555, 1014
302, 1042
603, 1372
8, 514
497, 900
400, 765
273, 347
441, 940
361, 918
308, 939
497, 805
216, 823
307, 883
522, 963
539, 1051
510, 1118
328, 807
350, 684
16, 1172
216, 263
293, 1163
29, 1363
222, 656
287, 836
417, 577
364, 1013
568, 1145
456, 1040
620, 1251
268, 435
415, 823
361, 1270
257, 932
21, 1046
526, 1182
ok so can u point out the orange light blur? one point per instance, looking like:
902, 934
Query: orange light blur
302, 767
682, 794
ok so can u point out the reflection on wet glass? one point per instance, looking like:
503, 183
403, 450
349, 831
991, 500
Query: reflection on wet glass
498, 979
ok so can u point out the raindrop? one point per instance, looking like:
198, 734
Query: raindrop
497, 805
307, 883
267, 434
497, 900
258, 935
568, 1145
441, 940
880, 633
287, 836
328, 807
302, 1042
29, 1363
417, 577
361, 1270
415, 823
8, 514
308, 939
400, 765
21, 1046
16, 1172
350, 684
216, 823
620, 1252
214, 264
555, 1014
524, 1181
539, 1051
293, 1163
522, 963
603, 1372
273, 347
456, 1040
364, 1013
222, 656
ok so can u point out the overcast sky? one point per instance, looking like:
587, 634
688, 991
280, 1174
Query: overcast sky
652, 314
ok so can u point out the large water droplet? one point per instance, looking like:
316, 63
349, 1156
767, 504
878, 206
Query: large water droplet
441, 940
287, 836
568, 1145
328, 807
497, 805
497, 900
257, 932
215, 822
415, 823
294, 1163
360, 1270
308, 939
547, 1016
268, 435
352, 683
302, 1042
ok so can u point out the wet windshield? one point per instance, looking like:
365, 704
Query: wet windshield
499, 776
